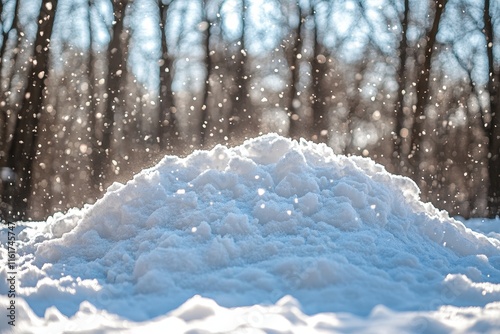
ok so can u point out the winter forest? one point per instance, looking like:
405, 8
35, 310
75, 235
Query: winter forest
92, 91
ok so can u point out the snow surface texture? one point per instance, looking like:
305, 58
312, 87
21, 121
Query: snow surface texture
272, 234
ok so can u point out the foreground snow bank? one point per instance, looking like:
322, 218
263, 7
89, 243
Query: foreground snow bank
247, 226
202, 315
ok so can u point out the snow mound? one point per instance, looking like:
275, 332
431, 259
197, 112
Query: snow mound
249, 225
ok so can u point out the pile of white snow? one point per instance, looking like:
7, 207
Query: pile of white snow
273, 236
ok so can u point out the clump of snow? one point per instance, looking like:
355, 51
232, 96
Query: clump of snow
251, 225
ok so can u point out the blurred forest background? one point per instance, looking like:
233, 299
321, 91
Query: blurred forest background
91, 91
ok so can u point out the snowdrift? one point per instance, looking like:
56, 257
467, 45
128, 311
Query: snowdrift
274, 234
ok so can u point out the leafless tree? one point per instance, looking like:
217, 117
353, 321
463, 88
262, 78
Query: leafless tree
320, 89
116, 80
491, 117
23, 149
168, 133
422, 88
400, 130
243, 121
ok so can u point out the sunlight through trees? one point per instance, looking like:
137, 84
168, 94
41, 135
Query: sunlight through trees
92, 91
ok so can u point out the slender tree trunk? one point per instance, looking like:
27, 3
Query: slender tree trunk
3, 115
423, 92
319, 70
93, 124
494, 159
4, 94
116, 77
205, 119
117, 74
295, 130
244, 120
493, 127
356, 109
222, 84
168, 133
24, 143
400, 132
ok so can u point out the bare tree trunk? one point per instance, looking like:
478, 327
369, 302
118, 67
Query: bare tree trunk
220, 98
295, 130
24, 143
493, 127
401, 133
319, 70
4, 180
494, 159
168, 133
4, 96
117, 75
95, 130
205, 119
422, 87
243, 121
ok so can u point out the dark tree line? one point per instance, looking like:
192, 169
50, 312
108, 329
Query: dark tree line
88, 101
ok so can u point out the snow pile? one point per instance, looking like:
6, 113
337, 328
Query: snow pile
285, 226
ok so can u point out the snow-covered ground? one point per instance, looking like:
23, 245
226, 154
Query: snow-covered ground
273, 236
